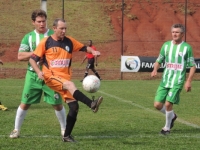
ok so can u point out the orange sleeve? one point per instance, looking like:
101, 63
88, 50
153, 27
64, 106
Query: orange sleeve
76, 44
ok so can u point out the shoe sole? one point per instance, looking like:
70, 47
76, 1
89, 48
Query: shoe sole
98, 103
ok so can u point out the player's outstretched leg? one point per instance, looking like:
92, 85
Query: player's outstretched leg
93, 104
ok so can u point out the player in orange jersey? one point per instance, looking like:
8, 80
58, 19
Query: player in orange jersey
56, 51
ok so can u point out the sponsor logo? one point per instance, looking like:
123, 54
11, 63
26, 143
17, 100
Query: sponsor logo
180, 54
26, 95
56, 96
131, 63
170, 94
67, 48
174, 66
59, 63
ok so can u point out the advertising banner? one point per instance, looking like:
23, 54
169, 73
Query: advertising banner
145, 64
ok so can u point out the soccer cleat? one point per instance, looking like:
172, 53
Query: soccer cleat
165, 132
62, 133
69, 138
81, 80
95, 104
2, 107
172, 123
14, 134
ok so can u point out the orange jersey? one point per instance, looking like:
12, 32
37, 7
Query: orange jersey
57, 56
89, 55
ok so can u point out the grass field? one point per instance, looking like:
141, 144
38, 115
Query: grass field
126, 120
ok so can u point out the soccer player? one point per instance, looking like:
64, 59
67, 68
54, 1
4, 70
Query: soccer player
33, 86
2, 107
177, 55
56, 71
91, 61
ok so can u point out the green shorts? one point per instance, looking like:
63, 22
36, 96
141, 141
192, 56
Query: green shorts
168, 94
34, 89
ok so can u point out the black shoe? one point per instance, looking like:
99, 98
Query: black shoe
81, 80
165, 132
95, 104
172, 123
68, 139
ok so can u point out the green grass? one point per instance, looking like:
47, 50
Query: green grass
126, 120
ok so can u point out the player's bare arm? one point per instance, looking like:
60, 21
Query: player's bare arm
36, 68
156, 67
188, 85
24, 56
83, 60
93, 52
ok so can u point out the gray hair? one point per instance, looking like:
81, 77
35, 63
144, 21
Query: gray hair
55, 23
179, 26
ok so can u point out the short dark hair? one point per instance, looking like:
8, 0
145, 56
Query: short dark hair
55, 23
90, 41
179, 26
38, 12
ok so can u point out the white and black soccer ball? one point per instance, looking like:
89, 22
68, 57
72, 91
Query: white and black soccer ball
91, 83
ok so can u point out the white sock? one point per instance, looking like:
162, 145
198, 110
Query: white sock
169, 117
163, 110
20, 115
61, 115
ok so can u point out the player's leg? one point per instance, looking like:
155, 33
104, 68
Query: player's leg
71, 120
63, 86
31, 95
54, 99
159, 102
88, 66
160, 98
96, 73
92, 67
78, 95
172, 98
86, 71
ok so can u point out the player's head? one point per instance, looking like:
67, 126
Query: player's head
90, 43
59, 27
39, 20
178, 31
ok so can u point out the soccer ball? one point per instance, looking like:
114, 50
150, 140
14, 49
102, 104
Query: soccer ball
91, 84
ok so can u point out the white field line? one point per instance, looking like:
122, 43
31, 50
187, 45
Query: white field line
132, 136
147, 109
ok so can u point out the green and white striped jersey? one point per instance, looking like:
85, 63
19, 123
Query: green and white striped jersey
176, 58
30, 42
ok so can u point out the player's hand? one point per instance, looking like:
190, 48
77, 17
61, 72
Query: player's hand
153, 73
96, 53
188, 86
40, 75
